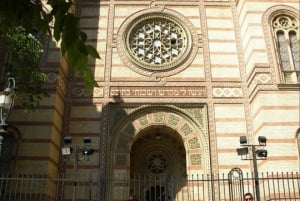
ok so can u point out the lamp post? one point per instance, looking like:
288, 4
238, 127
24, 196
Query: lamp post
68, 149
7, 97
257, 153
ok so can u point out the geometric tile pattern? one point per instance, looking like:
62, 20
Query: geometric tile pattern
227, 92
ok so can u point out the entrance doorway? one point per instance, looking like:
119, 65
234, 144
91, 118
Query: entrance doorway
157, 158
157, 193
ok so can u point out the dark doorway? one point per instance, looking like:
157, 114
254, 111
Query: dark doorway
157, 157
157, 193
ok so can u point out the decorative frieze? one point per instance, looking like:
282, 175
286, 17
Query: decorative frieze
260, 79
228, 92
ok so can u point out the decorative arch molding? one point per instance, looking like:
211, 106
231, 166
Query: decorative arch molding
267, 19
189, 121
128, 121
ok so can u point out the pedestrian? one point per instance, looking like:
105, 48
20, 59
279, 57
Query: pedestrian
248, 197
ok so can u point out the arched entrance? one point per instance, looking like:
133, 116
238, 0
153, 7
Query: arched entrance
157, 160
153, 149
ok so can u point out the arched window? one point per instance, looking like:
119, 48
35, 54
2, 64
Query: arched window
286, 35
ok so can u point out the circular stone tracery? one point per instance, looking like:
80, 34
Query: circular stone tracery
157, 163
157, 42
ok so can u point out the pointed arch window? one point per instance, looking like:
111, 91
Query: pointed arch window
286, 34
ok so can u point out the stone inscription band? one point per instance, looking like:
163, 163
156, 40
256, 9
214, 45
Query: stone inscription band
158, 92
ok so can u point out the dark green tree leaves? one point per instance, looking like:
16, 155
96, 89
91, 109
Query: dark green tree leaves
55, 17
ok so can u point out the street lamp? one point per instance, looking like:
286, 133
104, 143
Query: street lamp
257, 153
68, 149
7, 97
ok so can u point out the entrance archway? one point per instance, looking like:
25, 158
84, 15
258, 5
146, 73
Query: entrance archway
154, 148
157, 159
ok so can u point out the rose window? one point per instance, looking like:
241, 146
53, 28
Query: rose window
157, 42
157, 163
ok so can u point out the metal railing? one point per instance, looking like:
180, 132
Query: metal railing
225, 187
44, 188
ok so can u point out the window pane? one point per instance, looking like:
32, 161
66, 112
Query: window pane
283, 51
295, 50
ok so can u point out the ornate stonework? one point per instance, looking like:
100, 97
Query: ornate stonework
157, 42
273, 14
186, 121
157, 163
227, 92
260, 79
196, 159
194, 143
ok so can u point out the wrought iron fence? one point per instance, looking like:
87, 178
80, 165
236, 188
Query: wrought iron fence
44, 188
225, 187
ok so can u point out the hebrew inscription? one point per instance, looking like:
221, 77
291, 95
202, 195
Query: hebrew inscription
158, 91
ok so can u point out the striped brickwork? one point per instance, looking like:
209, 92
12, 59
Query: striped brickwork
234, 74
38, 148
274, 112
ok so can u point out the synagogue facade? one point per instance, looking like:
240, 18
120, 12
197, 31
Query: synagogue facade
179, 83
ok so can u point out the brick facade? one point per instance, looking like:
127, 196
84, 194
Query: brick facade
231, 86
